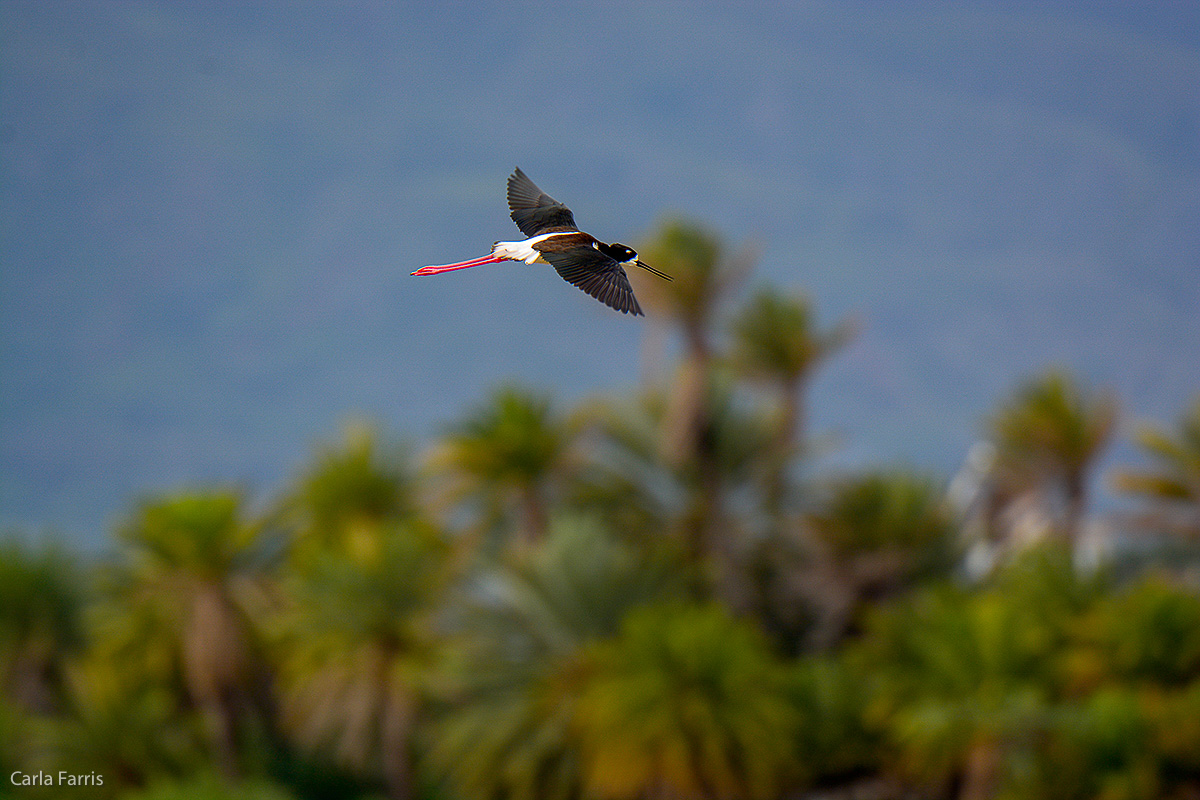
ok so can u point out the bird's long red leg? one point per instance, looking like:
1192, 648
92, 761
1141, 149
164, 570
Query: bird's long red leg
434, 269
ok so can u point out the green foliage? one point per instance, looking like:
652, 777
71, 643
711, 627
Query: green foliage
378, 599
515, 668
512, 440
1117, 743
353, 643
41, 604
177, 612
688, 701
210, 787
123, 724
832, 739
700, 271
961, 682
1053, 426
16, 750
895, 510
201, 534
625, 480
776, 342
1147, 633
351, 489
631, 480
1043, 685
1172, 489
733, 438
509, 456
957, 647
584, 617
864, 538
1048, 437
775, 339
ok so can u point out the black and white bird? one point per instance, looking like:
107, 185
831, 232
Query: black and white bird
580, 258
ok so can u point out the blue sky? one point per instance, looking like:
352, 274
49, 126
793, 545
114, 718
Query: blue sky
208, 213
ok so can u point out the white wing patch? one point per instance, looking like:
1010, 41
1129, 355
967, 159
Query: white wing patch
524, 251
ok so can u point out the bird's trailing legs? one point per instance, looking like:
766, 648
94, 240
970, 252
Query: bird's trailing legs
434, 269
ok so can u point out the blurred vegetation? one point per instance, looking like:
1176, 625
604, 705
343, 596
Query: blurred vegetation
659, 595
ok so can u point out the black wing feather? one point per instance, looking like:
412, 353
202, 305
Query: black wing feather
598, 275
533, 210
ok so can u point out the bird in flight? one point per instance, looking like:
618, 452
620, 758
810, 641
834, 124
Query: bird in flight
595, 267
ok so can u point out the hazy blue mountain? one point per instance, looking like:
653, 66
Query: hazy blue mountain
209, 210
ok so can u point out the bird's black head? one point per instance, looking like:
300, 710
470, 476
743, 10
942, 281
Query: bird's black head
618, 252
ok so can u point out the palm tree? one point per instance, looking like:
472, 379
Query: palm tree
1148, 634
834, 744
1171, 491
353, 646
623, 478
512, 455
777, 343
121, 722
966, 685
1129, 671
867, 538
703, 278
353, 489
1120, 741
515, 665
961, 690
686, 702
41, 605
631, 479
178, 605
1049, 437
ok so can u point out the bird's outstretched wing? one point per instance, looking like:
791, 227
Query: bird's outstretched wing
598, 275
533, 210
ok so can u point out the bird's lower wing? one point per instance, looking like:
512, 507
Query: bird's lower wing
598, 275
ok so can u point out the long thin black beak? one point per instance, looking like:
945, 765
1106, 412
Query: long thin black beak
649, 268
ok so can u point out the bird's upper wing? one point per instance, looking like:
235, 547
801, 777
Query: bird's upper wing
598, 275
533, 210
